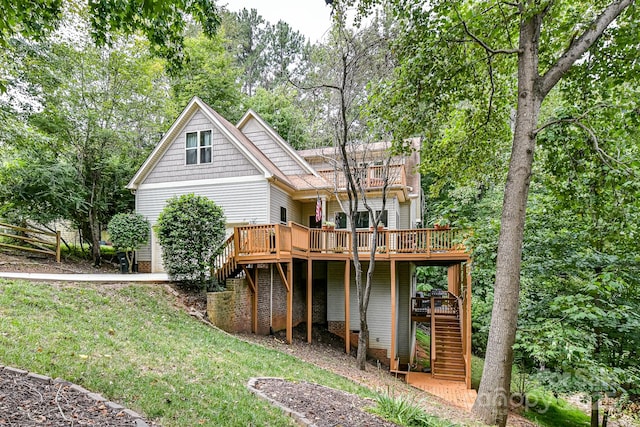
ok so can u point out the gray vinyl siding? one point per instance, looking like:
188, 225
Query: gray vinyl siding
241, 203
281, 199
379, 313
272, 149
227, 160
404, 209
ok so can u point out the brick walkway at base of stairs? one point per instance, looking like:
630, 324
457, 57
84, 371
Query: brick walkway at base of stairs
455, 392
102, 278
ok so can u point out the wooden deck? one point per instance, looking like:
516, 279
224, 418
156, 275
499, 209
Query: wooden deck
271, 243
455, 392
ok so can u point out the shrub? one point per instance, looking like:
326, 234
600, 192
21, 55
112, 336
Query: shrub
404, 412
190, 230
128, 231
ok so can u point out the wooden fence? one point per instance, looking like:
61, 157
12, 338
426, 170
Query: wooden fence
31, 240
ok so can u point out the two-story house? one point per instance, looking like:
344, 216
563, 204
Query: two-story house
293, 269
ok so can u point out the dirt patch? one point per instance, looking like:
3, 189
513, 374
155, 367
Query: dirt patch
23, 262
322, 406
25, 401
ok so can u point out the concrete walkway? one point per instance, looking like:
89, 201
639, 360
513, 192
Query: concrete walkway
102, 278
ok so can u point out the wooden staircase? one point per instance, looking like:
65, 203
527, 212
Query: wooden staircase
448, 363
225, 264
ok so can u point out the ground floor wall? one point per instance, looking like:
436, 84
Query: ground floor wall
379, 311
151, 200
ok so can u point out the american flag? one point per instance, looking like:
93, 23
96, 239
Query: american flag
318, 210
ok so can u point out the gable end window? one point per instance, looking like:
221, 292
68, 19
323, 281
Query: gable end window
198, 147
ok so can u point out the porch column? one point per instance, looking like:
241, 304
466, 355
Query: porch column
254, 314
393, 313
467, 324
347, 284
290, 303
309, 300
287, 279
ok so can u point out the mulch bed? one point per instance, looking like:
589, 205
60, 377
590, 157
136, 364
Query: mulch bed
27, 401
322, 406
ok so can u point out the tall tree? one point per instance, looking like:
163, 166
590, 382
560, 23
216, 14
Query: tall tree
540, 41
245, 38
357, 59
103, 108
209, 73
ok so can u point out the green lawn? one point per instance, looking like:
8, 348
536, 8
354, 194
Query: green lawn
131, 345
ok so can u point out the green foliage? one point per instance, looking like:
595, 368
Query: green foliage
98, 113
210, 75
278, 110
161, 22
550, 411
190, 230
128, 231
403, 411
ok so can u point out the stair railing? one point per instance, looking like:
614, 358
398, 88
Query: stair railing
433, 333
225, 262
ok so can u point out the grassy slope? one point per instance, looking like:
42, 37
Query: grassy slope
132, 346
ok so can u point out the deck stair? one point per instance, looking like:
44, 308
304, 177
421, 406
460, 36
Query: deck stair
448, 363
225, 264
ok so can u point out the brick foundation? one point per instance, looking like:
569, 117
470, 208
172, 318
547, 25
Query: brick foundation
231, 310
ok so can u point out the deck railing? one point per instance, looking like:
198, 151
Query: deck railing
273, 241
278, 238
225, 262
374, 177
439, 303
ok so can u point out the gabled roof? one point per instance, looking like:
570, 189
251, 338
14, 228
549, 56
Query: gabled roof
278, 139
237, 138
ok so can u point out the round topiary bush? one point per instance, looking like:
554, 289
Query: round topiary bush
190, 230
128, 231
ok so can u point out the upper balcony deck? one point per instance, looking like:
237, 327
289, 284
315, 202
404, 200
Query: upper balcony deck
374, 176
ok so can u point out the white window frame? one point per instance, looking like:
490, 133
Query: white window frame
198, 147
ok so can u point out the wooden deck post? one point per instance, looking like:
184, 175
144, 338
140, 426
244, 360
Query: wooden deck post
347, 285
254, 314
393, 311
309, 299
290, 303
287, 279
467, 325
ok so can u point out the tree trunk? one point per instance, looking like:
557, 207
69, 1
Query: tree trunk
492, 404
94, 227
363, 342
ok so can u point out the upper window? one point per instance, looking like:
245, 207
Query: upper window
283, 214
384, 218
198, 147
362, 219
